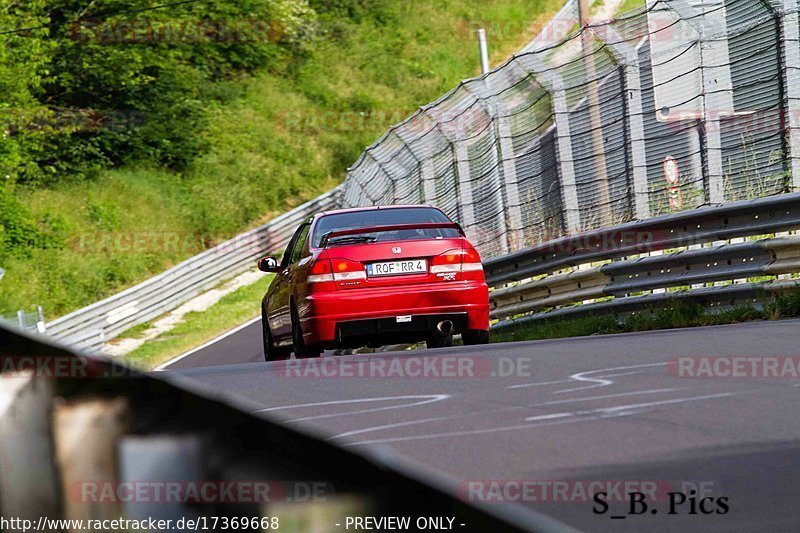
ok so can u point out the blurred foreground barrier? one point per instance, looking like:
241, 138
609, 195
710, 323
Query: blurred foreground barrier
83, 438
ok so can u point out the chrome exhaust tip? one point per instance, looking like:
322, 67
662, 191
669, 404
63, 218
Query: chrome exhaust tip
445, 327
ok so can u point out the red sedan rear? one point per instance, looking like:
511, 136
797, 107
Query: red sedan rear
374, 276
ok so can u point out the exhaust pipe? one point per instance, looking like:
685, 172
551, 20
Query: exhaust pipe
445, 327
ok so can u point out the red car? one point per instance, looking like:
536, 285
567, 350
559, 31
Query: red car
374, 276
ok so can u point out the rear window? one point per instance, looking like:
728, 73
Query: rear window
386, 217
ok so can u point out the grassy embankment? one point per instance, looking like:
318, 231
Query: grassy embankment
275, 140
287, 129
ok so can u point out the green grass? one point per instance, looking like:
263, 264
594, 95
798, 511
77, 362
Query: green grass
629, 5
262, 159
232, 310
137, 331
678, 316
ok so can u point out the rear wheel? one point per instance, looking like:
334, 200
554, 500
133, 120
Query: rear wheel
301, 350
271, 352
475, 336
439, 341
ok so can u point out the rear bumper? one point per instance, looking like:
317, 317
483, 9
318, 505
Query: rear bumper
330, 317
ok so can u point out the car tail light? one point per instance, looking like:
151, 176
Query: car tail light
320, 276
450, 261
348, 273
464, 263
471, 264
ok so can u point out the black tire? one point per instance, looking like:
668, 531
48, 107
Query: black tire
271, 352
475, 336
439, 341
301, 350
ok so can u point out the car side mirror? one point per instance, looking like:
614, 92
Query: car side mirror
268, 264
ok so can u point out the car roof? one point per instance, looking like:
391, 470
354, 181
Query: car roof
370, 208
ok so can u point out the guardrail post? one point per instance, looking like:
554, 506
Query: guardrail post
711, 27
555, 85
634, 118
791, 67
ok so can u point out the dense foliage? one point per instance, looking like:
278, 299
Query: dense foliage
196, 120
99, 84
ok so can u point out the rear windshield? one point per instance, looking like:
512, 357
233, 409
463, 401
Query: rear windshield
386, 217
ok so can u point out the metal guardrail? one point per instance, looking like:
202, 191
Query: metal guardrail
706, 224
711, 298
91, 326
622, 279
33, 321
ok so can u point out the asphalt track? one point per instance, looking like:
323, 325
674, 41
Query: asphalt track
559, 415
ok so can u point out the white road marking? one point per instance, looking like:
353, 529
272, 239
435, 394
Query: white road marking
428, 398
605, 396
665, 402
463, 432
215, 340
548, 417
539, 384
581, 377
610, 412
633, 406
390, 426
514, 408
600, 381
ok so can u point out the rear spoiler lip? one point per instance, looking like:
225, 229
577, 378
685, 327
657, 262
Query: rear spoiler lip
393, 227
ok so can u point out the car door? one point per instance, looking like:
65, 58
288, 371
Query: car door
280, 321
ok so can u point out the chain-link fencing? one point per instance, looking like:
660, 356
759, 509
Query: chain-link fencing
669, 107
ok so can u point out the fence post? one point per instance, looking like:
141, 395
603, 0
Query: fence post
791, 66
555, 85
463, 183
634, 120
711, 28
495, 156
505, 149
426, 172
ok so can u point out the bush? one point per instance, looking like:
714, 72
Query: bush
125, 83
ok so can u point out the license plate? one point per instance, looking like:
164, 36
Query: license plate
396, 268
